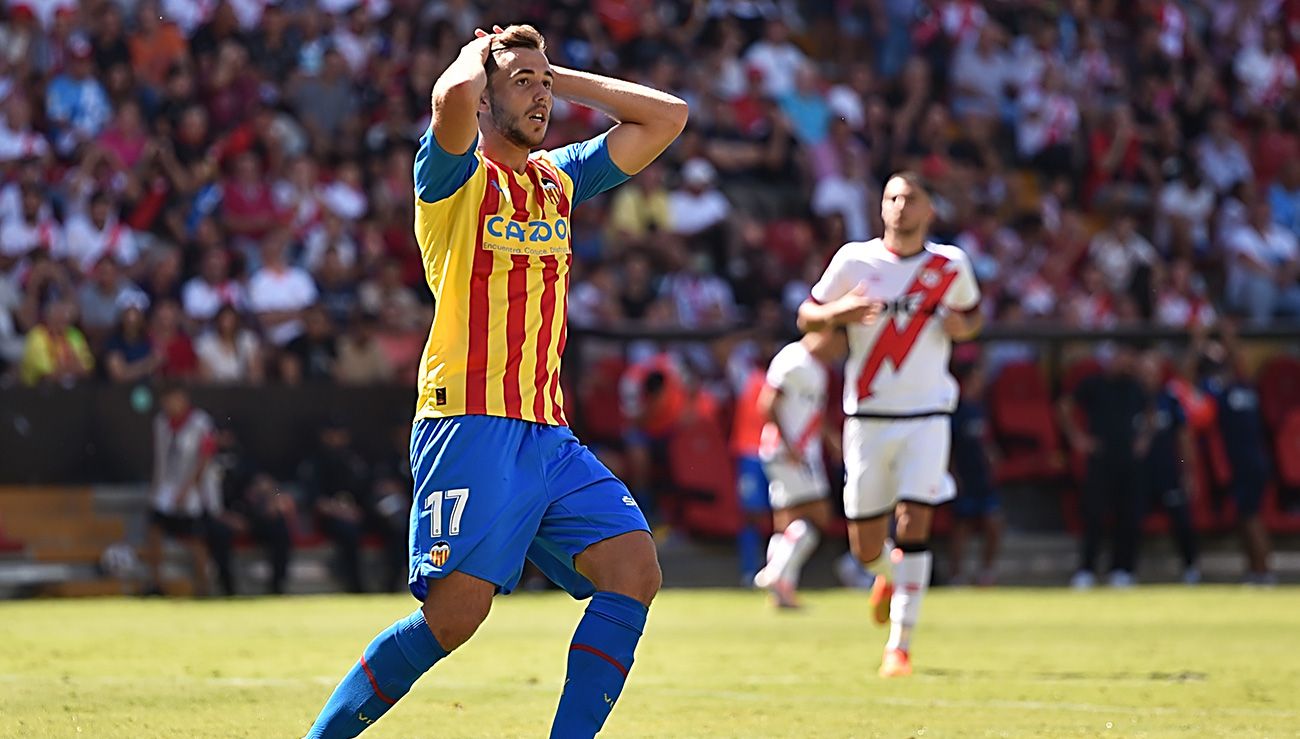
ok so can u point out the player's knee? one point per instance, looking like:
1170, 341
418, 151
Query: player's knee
453, 627
913, 524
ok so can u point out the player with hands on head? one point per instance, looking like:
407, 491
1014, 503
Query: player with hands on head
499, 477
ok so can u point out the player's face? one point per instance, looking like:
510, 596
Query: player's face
519, 96
905, 209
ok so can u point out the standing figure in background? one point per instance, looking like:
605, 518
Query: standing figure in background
978, 507
1101, 418
793, 403
751, 481
1167, 455
185, 493
1226, 380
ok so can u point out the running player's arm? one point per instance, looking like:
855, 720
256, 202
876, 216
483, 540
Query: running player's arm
648, 119
963, 320
836, 300
769, 399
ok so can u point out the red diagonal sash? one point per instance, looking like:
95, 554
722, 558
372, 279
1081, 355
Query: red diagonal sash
895, 344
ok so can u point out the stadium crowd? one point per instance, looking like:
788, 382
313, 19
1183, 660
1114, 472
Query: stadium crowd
220, 190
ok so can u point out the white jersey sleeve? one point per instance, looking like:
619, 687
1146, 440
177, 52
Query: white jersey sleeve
964, 294
838, 279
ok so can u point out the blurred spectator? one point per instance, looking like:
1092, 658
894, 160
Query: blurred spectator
100, 234
279, 292
1284, 197
842, 174
978, 505
640, 209
255, 507
311, 357
1167, 458
1100, 417
1120, 252
1263, 268
1265, 70
1221, 156
229, 352
698, 205
56, 352
1183, 210
103, 297
212, 288
776, 58
76, 104
361, 360
176, 357
1225, 379
1180, 302
129, 355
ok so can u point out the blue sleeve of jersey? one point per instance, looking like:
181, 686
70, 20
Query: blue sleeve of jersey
439, 174
588, 164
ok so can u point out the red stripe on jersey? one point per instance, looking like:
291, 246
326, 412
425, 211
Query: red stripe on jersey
809, 433
550, 276
894, 345
516, 307
479, 301
518, 197
559, 347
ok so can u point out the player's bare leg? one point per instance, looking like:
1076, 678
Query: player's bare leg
198, 551
992, 525
399, 655
152, 555
798, 530
625, 571
867, 539
912, 564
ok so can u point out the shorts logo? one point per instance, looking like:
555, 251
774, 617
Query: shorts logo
439, 553
440, 395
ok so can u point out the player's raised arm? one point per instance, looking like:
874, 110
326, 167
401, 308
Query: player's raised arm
648, 119
456, 96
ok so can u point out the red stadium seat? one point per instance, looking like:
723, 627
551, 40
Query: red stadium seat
1020, 409
1279, 389
1287, 441
700, 469
602, 410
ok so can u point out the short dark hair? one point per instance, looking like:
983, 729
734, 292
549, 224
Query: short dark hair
521, 36
913, 178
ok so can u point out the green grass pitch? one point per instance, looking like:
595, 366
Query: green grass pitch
1150, 662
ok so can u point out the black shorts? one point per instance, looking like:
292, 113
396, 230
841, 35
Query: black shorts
179, 527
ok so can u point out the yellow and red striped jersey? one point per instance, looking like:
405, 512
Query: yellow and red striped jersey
496, 250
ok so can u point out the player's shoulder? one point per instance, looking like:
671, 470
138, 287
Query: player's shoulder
859, 251
948, 251
790, 354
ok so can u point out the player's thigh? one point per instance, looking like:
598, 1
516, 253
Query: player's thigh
455, 605
817, 512
870, 446
922, 465
589, 507
478, 500
867, 537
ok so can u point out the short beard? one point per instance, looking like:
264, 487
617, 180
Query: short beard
510, 130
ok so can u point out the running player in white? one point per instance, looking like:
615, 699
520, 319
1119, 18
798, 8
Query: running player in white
904, 301
793, 402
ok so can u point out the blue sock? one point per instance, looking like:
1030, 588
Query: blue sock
599, 658
747, 543
386, 671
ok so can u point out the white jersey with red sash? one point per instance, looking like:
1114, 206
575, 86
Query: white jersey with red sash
898, 365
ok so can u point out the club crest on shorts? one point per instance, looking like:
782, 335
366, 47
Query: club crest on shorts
439, 553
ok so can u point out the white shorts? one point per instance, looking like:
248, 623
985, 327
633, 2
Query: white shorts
887, 460
789, 484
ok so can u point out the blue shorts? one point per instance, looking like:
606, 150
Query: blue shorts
751, 485
976, 504
491, 491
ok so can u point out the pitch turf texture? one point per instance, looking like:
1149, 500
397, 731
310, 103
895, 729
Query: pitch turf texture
1155, 662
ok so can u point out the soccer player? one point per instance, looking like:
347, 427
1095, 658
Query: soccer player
498, 474
793, 402
904, 300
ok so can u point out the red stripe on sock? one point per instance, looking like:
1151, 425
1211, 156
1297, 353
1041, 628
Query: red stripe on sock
598, 653
375, 684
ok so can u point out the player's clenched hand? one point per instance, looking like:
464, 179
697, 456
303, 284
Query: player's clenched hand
857, 307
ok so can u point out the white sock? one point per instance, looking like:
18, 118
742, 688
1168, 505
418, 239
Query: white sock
883, 564
798, 543
911, 580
